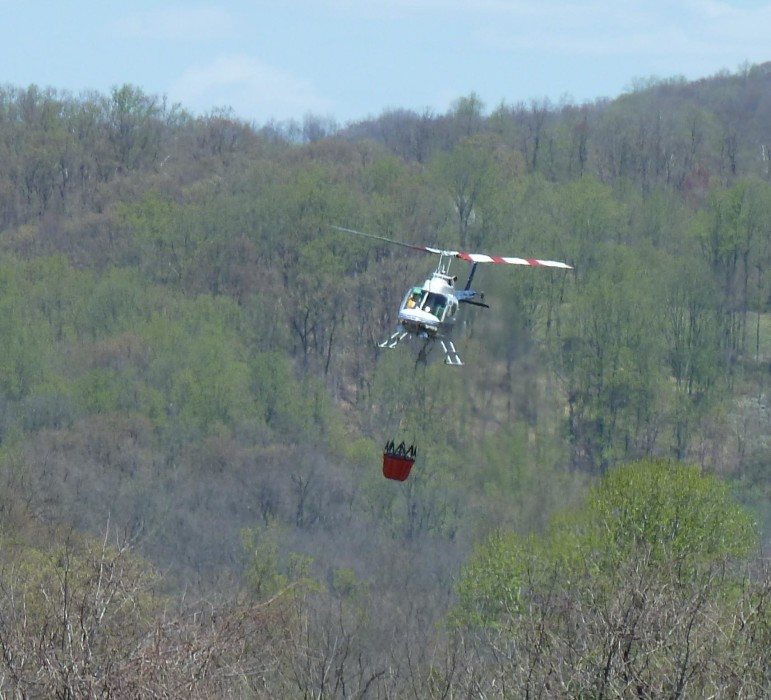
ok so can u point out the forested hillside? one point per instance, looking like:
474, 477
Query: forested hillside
193, 404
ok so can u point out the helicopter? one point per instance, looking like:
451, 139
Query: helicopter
429, 311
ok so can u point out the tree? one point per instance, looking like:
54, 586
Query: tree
136, 121
633, 595
467, 113
732, 233
609, 361
72, 615
468, 173
669, 510
25, 338
692, 324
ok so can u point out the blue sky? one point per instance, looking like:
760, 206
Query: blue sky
351, 59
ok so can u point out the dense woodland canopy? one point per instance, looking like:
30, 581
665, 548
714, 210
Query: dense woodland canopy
193, 404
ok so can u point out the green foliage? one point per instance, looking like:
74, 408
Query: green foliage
117, 302
347, 586
59, 292
181, 330
668, 510
268, 571
198, 363
288, 405
51, 404
610, 357
518, 480
491, 587
645, 581
25, 338
589, 219
468, 174
163, 243
213, 387
656, 514
103, 391
263, 575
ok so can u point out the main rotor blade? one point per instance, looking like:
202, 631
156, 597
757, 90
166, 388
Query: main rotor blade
482, 257
470, 257
437, 251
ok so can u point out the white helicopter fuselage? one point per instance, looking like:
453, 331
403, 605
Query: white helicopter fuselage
430, 311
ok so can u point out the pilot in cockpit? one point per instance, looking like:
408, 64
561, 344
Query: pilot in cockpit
413, 301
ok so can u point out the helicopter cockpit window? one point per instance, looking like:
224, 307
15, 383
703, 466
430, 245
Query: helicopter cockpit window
414, 298
435, 304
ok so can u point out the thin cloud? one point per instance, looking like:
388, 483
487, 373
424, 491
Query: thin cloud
248, 86
697, 28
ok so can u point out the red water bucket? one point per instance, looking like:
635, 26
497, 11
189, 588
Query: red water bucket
397, 468
397, 461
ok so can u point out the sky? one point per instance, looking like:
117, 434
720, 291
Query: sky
349, 60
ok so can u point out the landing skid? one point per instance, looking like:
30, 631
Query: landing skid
393, 340
451, 356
